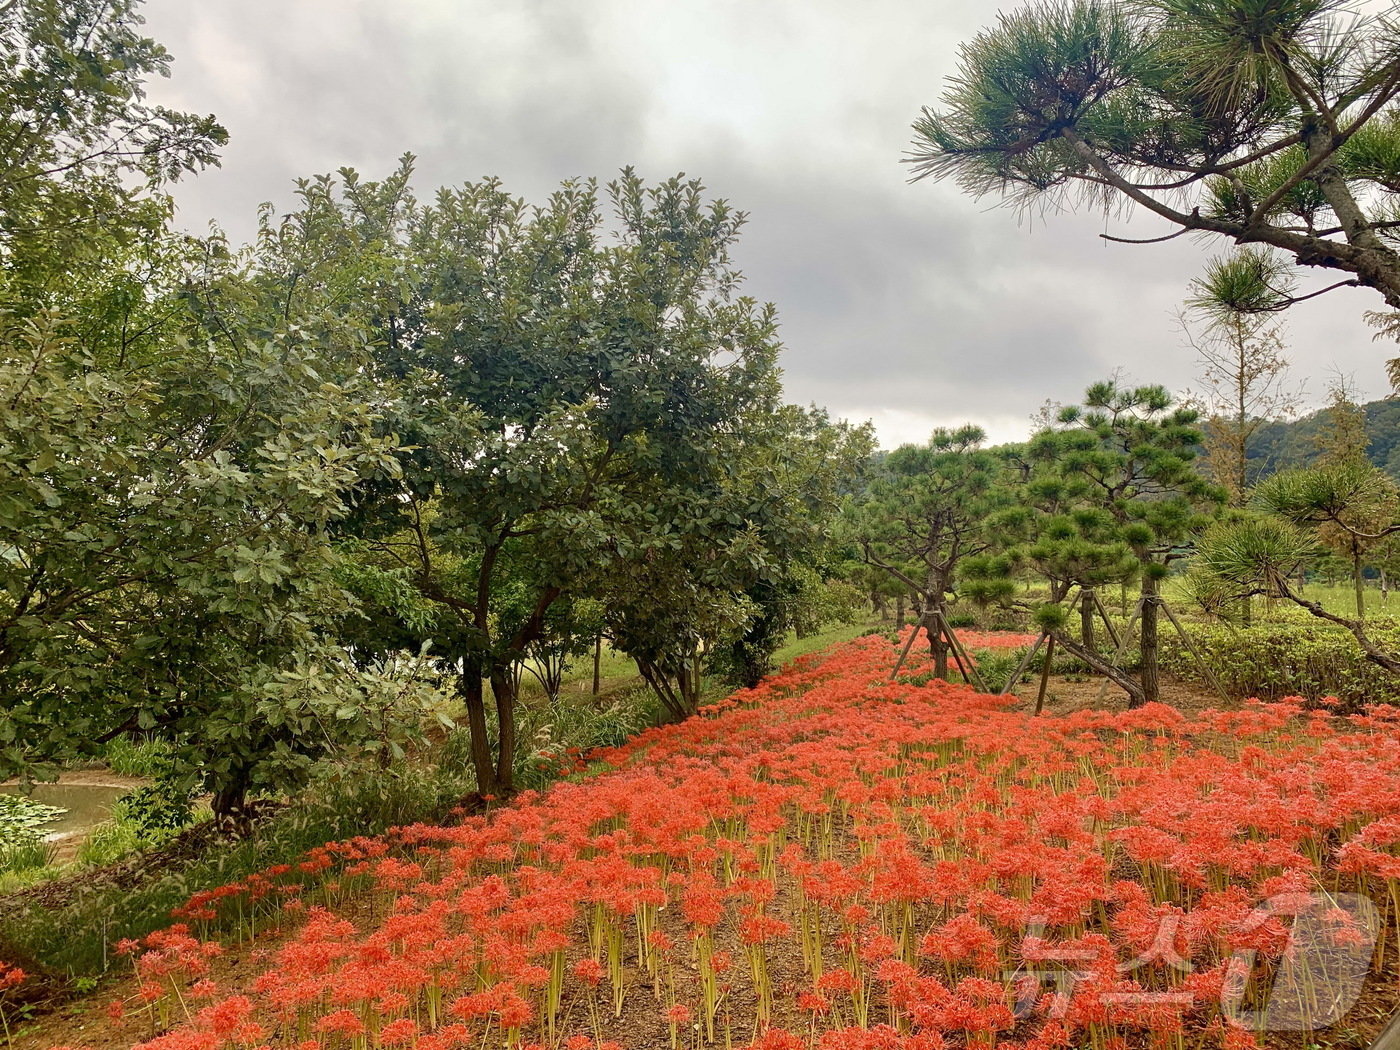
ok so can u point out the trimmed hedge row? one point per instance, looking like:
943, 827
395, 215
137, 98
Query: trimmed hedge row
1292, 658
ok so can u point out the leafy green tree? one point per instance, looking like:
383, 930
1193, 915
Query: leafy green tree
925, 513
1050, 531
1128, 453
565, 396
172, 463
570, 630
1340, 438
80, 143
727, 585
164, 518
1267, 123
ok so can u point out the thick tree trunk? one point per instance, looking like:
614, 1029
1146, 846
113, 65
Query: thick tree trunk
880, 605
673, 700
899, 612
1086, 617
1147, 640
231, 796
693, 677
473, 694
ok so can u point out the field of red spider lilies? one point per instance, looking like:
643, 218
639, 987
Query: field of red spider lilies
839, 861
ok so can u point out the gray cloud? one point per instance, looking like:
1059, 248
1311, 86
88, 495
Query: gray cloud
912, 304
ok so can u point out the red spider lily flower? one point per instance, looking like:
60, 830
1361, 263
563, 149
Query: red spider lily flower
590, 971
398, 1033
679, 1015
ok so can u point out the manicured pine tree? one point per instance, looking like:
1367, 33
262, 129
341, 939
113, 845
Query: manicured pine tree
1128, 453
925, 514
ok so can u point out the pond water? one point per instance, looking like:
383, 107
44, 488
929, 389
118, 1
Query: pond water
87, 804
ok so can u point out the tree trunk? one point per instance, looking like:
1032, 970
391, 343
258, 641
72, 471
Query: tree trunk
880, 605
937, 644
231, 796
693, 682
1115, 674
470, 689
503, 686
597, 663
1086, 617
672, 701
1151, 688
899, 612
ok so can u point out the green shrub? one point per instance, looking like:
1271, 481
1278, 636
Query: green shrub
109, 842
26, 854
137, 757
1294, 657
156, 810
996, 665
552, 734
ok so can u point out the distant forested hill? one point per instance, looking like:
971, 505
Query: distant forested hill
1280, 445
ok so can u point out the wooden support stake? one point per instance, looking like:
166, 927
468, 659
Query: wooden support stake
957, 657
1389, 1039
1122, 645
1108, 624
1045, 675
1191, 648
1025, 662
597, 661
905, 655
965, 664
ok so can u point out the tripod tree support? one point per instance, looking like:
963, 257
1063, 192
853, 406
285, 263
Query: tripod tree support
965, 663
1025, 662
936, 621
1108, 624
1123, 641
1191, 648
905, 654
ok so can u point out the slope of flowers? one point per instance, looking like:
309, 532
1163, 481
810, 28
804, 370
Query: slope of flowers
838, 861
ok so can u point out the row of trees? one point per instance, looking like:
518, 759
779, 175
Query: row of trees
1112, 493
255, 501
1106, 495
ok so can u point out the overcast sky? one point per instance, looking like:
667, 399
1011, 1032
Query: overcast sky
907, 304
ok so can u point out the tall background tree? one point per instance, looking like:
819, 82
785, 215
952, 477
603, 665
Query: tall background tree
586, 415
175, 453
1239, 343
